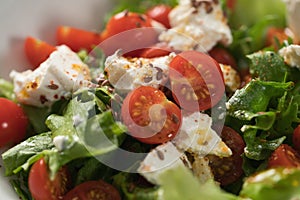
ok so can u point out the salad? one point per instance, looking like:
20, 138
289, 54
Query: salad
187, 99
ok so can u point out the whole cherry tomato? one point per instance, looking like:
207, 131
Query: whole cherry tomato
13, 122
129, 31
160, 13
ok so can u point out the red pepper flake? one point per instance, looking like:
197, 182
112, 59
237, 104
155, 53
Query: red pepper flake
53, 86
138, 24
43, 99
34, 85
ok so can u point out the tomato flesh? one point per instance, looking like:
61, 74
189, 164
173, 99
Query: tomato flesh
37, 51
160, 13
196, 81
296, 138
284, 156
40, 185
93, 190
229, 169
77, 39
13, 122
149, 116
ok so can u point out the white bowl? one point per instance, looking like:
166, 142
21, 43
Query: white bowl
39, 18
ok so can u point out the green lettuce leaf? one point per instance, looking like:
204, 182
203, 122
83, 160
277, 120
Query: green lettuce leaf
263, 105
19, 154
268, 66
272, 184
254, 98
82, 131
7, 89
179, 183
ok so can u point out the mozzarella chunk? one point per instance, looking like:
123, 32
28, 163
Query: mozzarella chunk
197, 25
197, 137
291, 55
161, 159
231, 77
126, 74
56, 78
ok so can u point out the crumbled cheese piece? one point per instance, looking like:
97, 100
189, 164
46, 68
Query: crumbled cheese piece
231, 77
201, 169
197, 25
126, 74
291, 55
196, 136
60, 142
56, 78
161, 159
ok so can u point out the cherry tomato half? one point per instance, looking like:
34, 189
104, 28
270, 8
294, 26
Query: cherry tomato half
149, 116
130, 32
160, 13
96, 190
157, 50
222, 56
284, 156
196, 80
13, 122
40, 185
296, 138
37, 51
77, 39
229, 169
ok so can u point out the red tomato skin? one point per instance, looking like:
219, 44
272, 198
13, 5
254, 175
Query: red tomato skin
37, 51
13, 121
296, 138
135, 113
40, 185
222, 56
157, 50
284, 156
124, 21
129, 31
77, 39
95, 190
195, 73
160, 13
